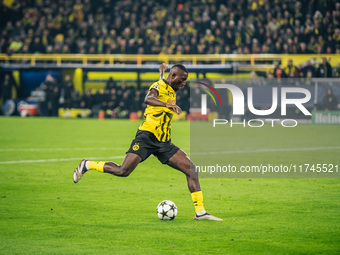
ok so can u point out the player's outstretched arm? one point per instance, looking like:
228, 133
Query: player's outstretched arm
151, 99
174, 108
162, 69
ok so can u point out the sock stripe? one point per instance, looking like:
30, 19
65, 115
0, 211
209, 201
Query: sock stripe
197, 198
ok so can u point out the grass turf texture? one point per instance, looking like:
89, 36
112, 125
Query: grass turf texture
43, 212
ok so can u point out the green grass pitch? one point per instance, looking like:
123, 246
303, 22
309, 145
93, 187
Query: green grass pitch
43, 212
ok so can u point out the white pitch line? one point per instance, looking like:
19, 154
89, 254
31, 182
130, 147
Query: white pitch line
63, 149
265, 150
199, 153
52, 160
60, 149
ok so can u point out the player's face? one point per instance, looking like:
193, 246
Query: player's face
179, 79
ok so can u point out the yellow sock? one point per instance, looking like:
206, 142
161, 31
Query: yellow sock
197, 198
97, 165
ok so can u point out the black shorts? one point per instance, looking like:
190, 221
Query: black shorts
145, 144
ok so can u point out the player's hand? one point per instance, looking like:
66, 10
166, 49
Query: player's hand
174, 108
163, 67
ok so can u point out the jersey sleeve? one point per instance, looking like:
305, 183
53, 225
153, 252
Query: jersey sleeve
155, 86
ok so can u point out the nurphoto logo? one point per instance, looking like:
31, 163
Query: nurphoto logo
238, 104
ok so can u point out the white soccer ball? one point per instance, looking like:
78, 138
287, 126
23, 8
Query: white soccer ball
166, 210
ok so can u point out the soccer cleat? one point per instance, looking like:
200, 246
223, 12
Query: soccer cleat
207, 216
80, 171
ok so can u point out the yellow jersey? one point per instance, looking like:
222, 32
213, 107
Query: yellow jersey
157, 119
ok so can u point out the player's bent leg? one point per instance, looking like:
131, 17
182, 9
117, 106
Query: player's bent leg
182, 162
125, 169
129, 164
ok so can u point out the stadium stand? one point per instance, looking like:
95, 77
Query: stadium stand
170, 27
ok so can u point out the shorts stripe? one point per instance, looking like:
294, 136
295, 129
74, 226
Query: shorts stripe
167, 130
162, 128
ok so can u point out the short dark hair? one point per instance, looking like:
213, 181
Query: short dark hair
181, 67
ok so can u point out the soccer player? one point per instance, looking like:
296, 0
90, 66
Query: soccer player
153, 137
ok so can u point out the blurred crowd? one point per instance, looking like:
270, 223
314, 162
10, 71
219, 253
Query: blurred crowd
119, 101
170, 26
306, 70
164, 27
115, 101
